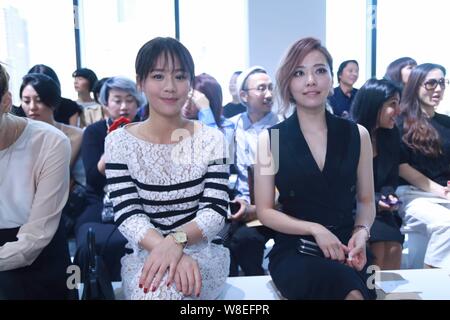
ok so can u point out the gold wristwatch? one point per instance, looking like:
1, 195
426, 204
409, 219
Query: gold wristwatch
179, 236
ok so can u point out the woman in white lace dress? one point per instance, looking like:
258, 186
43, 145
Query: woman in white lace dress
168, 182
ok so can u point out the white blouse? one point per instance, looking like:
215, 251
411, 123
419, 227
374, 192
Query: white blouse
34, 184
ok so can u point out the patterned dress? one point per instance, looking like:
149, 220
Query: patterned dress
162, 187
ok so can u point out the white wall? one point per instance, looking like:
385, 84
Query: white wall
275, 25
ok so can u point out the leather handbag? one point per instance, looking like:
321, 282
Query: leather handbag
96, 279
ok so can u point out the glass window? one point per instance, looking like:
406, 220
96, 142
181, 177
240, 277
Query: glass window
32, 33
216, 34
112, 32
346, 35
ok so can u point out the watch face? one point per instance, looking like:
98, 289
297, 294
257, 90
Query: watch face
180, 237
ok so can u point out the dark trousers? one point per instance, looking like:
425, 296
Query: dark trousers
110, 244
247, 245
45, 278
92, 212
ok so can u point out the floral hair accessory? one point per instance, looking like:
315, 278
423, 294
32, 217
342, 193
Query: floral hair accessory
118, 123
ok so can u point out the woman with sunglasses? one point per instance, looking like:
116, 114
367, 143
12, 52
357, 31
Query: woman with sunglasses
424, 162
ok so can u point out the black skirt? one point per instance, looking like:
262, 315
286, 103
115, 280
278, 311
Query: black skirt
386, 227
304, 277
45, 278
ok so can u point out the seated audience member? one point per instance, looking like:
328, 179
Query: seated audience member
344, 93
68, 111
424, 162
323, 162
92, 115
399, 70
84, 83
169, 196
40, 96
120, 97
247, 244
375, 107
235, 106
205, 104
34, 184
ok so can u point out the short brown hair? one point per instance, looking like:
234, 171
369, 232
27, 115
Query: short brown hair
296, 53
4, 79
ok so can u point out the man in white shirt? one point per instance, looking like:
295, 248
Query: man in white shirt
247, 244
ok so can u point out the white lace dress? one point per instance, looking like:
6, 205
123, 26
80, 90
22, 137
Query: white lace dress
164, 186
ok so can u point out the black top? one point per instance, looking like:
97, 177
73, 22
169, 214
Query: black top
326, 197
231, 109
341, 102
437, 169
385, 164
92, 148
67, 108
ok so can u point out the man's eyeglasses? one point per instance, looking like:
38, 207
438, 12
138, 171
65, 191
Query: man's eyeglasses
431, 84
262, 88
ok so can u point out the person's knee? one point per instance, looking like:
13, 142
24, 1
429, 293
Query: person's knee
354, 295
394, 249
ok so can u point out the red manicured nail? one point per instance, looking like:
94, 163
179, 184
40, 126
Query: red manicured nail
145, 290
153, 289
140, 286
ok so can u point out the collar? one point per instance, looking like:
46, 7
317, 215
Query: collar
269, 119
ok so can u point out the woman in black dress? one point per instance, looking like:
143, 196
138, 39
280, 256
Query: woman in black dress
319, 163
375, 107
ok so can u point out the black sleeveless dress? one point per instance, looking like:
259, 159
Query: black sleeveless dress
326, 197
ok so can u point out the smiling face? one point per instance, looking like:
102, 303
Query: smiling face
432, 98
349, 74
166, 87
312, 81
388, 112
33, 107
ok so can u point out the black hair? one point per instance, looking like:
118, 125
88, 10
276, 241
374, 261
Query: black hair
394, 69
370, 99
47, 89
98, 86
87, 74
42, 68
171, 48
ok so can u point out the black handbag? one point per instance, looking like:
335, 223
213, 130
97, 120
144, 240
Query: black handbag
96, 279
